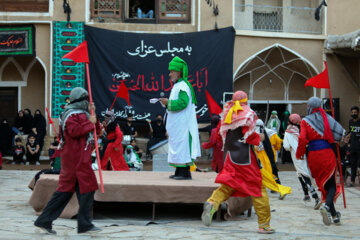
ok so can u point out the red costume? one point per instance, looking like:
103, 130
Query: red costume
245, 176
216, 143
76, 156
245, 179
114, 152
322, 163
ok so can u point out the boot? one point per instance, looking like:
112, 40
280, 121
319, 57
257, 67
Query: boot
184, 174
176, 173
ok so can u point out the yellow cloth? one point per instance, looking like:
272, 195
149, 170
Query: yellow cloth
275, 142
268, 178
193, 167
269, 182
237, 107
261, 204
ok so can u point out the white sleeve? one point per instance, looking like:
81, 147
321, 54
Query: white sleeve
286, 143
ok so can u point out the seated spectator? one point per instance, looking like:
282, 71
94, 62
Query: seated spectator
28, 121
136, 149
132, 159
32, 150
158, 131
140, 10
39, 128
54, 154
128, 129
19, 123
18, 152
6, 137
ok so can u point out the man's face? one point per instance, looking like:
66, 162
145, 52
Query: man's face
129, 119
354, 112
273, 115
31, 140
174, 76
159, 118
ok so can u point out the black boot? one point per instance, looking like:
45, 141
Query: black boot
176, 173
184, 174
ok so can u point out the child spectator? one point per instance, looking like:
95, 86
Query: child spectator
19, 151
136, 149
32, 151
54, 154
132, 159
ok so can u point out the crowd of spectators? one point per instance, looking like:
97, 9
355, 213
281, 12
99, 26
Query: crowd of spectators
24, 138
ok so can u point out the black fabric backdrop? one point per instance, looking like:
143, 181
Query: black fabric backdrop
141, 61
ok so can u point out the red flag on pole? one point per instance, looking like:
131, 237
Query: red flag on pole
214, 107
319, 81
123, 92
79, 54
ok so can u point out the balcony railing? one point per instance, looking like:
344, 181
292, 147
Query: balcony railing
277, 19
106, 8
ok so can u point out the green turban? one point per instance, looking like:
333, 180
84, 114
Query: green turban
179, 65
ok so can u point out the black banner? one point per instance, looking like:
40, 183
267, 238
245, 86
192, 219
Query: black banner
141, 61
17, 40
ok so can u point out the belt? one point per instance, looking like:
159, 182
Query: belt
318, 145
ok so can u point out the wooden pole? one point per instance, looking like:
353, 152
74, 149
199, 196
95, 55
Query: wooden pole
338, 153
95, 135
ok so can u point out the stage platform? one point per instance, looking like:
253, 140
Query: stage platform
121, 186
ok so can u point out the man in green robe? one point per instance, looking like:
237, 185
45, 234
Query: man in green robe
181, 124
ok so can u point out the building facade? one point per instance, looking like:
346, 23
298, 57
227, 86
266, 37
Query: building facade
278, 46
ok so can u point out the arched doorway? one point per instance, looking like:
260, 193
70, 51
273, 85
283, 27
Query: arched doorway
274, 79
22, 85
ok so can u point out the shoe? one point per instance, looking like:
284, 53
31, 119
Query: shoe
266, 230
325, 213
37, 163
272, 191
182, 178
336, 218
282, 197
93, 229
317, 204
176, 173
349, 185
27, 163
208, 213
307, 199
46, 230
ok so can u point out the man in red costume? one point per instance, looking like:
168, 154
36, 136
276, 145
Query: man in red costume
76, 173
241, 175
114, 149
216, 143
319, 130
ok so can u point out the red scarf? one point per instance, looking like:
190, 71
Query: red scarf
328, 136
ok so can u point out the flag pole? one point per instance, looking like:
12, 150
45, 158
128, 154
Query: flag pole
95, 135
338, 152
113, 103
52, 123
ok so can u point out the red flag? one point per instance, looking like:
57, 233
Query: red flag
79, 54
214, 108
123, 92
319, 81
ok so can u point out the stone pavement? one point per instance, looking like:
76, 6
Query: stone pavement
291, 217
